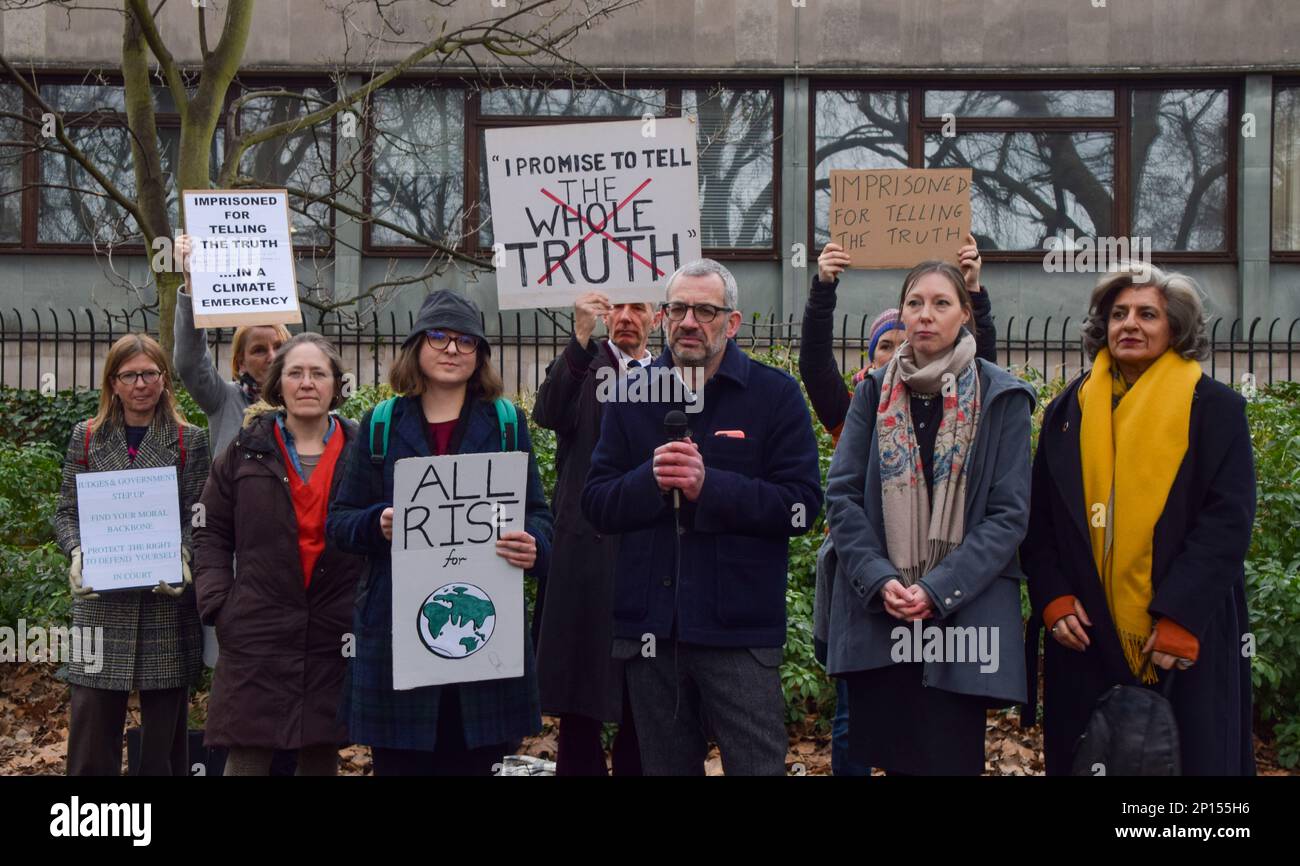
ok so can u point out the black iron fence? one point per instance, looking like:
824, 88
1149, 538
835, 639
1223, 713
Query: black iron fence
65, 349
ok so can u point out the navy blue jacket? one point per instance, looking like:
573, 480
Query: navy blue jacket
493, 711
758, 492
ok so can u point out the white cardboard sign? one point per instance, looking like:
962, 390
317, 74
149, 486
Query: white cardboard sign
458, 607
241, 264
609, 207
130, 523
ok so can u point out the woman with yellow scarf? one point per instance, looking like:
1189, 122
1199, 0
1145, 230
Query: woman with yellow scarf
1143, 500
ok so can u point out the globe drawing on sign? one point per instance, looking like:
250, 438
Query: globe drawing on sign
456, 620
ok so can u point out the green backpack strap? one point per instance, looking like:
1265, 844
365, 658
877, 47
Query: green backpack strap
508, 420
380, 422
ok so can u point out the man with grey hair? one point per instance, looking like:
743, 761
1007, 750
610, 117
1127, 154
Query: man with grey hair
705, 522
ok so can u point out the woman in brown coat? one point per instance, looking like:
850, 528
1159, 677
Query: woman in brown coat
283, 622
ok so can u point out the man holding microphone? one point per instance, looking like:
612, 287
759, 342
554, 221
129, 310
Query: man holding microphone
699, 593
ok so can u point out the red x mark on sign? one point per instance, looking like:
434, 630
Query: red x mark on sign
596, 231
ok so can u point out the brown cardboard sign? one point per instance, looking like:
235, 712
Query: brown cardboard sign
900, 217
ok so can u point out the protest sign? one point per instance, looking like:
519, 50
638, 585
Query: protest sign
130, 523
611, 207
241, 264
458, 607
900, 217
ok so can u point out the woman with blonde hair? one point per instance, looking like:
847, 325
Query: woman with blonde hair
152, 644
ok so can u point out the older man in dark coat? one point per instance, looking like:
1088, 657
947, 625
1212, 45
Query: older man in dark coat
579, 680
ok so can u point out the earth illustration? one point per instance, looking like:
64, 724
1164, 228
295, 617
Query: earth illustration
457, 620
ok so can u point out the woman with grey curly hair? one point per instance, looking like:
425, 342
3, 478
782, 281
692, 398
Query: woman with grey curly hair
1143, 500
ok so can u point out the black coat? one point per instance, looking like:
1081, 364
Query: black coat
279, 680
575, 671
1198, 577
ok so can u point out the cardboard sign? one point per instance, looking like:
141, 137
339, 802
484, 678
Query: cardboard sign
458, 607
130, 523
900, 217
241, 264
579, 207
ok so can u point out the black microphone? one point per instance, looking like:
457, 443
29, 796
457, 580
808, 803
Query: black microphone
675, 430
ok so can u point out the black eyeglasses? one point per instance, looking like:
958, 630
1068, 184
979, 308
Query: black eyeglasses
440, 340
147, 376
704, 313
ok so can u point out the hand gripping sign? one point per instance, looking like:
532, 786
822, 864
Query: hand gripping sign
592, 206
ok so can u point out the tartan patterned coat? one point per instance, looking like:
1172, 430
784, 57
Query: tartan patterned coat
493, 711
151, 641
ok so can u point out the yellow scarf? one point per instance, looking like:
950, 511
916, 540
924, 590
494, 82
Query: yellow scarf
1130, 455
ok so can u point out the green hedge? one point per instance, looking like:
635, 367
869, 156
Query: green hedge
34, 431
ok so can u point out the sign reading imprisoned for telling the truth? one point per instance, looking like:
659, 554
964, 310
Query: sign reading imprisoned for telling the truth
900, 217
611, 207
130, 522
458, 607
241, 263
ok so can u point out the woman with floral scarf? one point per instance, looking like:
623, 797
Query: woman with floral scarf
927, 497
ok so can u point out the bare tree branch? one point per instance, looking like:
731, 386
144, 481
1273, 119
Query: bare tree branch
149, 27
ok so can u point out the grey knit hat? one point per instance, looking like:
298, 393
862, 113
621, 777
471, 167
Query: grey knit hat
446, 309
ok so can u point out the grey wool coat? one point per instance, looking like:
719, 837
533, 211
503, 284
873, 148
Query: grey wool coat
977, 584
151, 641
220, 399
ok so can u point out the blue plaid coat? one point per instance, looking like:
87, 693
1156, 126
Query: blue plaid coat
494, 711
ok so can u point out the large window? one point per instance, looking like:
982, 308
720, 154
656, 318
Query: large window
1179, 168
11, 165
72, 208
1046, 163
64, 208
417, 178
1286, 170
302, 162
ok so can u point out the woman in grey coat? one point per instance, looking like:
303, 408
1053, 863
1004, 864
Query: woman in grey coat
928, 500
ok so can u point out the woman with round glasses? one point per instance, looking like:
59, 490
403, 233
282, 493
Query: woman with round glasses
448, 388
151, 638
280, 676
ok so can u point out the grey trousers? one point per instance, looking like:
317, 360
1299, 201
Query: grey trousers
686, 695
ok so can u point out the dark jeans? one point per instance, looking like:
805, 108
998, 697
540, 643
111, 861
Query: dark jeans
98, 721
450, 755
841, 763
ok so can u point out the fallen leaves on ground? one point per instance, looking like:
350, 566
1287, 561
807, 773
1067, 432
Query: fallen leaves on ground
34, 735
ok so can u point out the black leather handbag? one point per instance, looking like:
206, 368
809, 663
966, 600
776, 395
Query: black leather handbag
1132, 732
